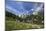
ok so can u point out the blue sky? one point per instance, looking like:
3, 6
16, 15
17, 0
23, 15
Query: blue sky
20, 8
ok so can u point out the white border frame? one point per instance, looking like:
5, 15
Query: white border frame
2, 15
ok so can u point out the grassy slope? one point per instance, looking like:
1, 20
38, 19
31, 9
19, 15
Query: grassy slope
13, 25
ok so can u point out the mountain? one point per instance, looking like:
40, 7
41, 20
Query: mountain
22, 9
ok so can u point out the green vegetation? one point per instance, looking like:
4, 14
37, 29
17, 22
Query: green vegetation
12, 24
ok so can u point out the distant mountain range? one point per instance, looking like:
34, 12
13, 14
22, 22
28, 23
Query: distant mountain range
22, 9
24, 16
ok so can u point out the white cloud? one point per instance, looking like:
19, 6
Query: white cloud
32, 9
37, 9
